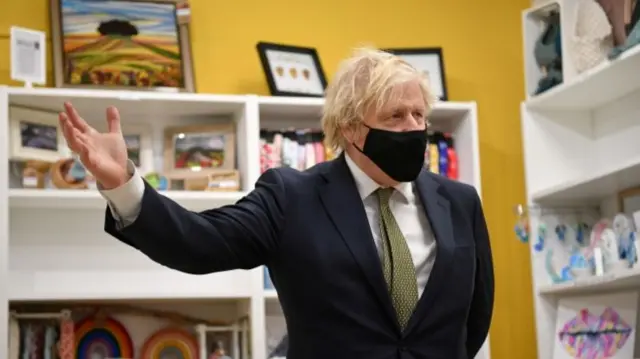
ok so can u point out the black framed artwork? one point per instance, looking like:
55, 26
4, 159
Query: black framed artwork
430, 61
292, 70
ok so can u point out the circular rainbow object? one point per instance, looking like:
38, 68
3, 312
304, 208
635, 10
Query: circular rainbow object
172, 343
104, 338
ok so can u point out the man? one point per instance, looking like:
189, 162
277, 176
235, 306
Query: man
372, 256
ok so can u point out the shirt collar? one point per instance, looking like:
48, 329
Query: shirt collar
366, 186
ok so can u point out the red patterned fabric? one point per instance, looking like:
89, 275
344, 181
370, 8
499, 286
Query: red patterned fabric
67, 339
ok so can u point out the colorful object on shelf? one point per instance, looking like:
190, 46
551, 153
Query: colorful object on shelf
441, 156
61, 178
582, 229
170, 343
563, 276
561, 231
67, 338
542, 235
596, 235
452, 156
298, 149
591, 336
77, 171
623, 228
522, 224
157, 181
102, 338
630, 252
522, 231
443, 165
578, 261
433, 158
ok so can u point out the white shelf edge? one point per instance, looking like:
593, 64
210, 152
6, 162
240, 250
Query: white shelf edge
537, 102
454, 105
549, 193
319, 102
623, 281
91, 199
126, 95
270, 294
291, 101
106, 285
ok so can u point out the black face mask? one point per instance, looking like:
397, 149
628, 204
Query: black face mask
398, 154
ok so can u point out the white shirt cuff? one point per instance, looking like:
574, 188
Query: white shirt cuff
125, 202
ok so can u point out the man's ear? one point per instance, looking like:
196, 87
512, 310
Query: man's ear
353, 133
349, 133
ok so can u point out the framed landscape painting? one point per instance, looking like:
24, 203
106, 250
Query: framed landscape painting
122, 44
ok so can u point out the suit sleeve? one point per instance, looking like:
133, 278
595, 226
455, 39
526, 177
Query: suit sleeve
481, 310
239, 236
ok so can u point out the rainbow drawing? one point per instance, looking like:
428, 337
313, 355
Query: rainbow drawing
170, 342
104, 338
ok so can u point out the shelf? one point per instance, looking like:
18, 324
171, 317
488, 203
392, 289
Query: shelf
446, 110
593, 88
312, 107
270, 294
628, 280
91, 199
304, 107
130, 103
594, 186
162, 283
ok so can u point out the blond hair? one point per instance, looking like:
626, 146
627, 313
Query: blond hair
363, 80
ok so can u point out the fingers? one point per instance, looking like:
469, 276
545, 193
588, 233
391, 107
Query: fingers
113, 120
86, 151
76, 140
75, 118
83, 145
67, 131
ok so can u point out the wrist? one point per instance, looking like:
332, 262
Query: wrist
115, 182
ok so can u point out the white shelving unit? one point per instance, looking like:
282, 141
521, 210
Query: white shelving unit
52, 245
581, 148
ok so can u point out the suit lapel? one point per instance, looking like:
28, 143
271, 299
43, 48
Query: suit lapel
342, 202
438, 212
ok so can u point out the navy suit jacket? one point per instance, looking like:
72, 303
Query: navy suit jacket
311, 230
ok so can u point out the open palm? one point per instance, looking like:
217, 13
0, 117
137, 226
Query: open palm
103, 154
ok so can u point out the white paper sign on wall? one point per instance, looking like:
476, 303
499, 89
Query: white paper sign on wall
28, 56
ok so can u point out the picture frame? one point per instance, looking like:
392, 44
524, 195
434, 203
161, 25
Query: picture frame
28, 56
36, 135
292, 70
138, 139
197, 151
134, 61
430, 61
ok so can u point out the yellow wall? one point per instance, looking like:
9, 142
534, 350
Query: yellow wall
482, 49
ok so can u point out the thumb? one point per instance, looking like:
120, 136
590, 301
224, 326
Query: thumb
113, 120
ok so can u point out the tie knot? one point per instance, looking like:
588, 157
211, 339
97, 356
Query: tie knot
384, 194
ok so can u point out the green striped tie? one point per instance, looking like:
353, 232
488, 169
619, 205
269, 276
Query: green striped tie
397, 264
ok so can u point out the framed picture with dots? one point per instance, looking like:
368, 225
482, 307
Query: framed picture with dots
292, 70
430, 61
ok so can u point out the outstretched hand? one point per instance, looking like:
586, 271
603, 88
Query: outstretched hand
103, 154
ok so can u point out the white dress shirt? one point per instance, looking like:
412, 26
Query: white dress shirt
411, 217
125, 203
